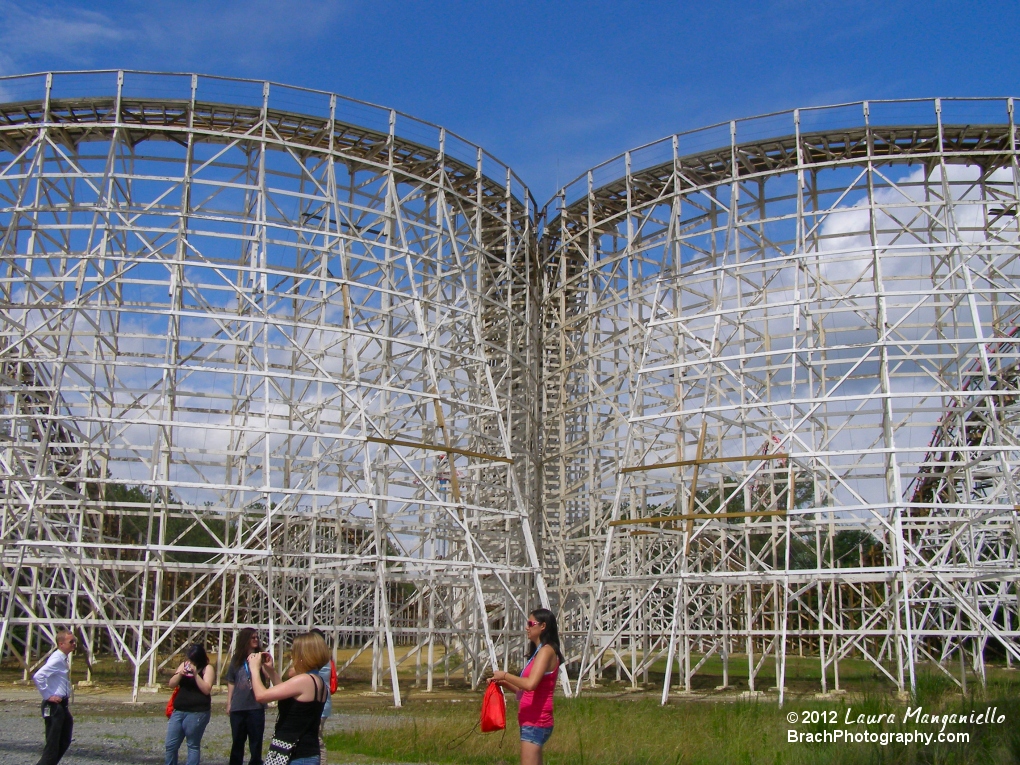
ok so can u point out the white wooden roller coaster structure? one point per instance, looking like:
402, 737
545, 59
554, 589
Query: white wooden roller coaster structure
275, 357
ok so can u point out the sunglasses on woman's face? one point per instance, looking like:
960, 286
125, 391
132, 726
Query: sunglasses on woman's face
532, 624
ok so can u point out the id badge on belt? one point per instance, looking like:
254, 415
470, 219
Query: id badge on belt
46, 711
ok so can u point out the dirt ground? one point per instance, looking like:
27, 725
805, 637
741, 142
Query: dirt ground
110, 729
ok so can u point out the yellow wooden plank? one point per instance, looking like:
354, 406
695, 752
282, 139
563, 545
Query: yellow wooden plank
438, 448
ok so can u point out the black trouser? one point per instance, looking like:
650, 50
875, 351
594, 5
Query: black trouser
251, 725
59, 724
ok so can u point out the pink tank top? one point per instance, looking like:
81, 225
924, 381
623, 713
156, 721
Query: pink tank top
536, 707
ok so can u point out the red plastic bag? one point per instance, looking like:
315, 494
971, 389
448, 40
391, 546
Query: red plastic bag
170, 704
332, 677
493, 709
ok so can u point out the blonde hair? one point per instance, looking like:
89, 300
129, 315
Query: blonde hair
309, 652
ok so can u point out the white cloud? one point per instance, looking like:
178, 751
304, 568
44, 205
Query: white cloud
222, 36
31, 40
760, 325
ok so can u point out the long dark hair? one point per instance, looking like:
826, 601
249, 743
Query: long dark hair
196, 655
550, 635
242, 647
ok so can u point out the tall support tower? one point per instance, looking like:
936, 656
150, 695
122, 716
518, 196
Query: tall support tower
266, 358
781, 398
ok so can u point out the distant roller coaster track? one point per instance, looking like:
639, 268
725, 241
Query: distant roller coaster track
983, 145
95, 119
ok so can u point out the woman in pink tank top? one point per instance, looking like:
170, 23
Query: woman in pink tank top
535, 685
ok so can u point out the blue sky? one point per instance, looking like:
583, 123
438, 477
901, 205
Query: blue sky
551, 88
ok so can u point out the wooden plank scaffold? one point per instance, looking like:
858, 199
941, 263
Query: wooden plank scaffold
813, 313
264, 362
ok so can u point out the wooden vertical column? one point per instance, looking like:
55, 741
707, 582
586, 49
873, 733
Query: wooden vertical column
691, 500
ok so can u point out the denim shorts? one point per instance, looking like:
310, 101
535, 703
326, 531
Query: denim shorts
535, 735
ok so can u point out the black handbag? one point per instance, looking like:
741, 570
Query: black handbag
280, 752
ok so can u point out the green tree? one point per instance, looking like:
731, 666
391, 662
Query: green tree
127, 514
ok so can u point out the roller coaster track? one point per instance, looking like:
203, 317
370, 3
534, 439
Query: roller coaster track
963, 429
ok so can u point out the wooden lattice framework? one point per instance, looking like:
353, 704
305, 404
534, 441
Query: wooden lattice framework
265, 359
780, 395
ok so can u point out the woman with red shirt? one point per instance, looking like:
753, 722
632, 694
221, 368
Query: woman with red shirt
535, 685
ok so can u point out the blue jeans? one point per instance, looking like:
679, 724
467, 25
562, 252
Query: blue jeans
305, 761
185, 725
535, 735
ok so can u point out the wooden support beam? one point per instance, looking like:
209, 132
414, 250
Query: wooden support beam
694, 485
691, 517
709, 461
438, 448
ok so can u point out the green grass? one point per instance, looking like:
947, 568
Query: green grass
610, 725
638, 731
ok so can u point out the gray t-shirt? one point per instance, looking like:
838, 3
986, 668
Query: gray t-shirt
243, 698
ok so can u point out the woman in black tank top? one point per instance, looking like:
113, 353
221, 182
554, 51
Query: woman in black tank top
194, 678
302, 697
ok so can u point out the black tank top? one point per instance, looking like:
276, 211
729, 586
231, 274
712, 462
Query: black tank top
189, 698
299, 721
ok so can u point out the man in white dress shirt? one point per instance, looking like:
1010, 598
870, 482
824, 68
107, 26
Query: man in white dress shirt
54, 683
